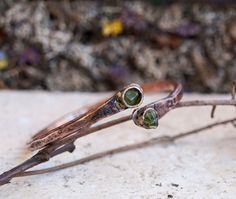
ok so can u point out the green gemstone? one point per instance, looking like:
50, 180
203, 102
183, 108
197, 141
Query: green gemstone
150, 118
132, 97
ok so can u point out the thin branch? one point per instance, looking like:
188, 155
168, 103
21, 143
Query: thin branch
233, 91
213, 111
126, 148
206, 103
56, 147
40, 157
129, 117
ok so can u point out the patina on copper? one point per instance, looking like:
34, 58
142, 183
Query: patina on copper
88, 116
158, 108
85, 117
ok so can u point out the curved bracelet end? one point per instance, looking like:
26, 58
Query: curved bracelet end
146, 118
131, 96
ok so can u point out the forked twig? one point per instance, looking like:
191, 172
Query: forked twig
66, 144
126, 148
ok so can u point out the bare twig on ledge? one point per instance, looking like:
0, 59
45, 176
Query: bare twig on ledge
66, 144
126, 148
213, 111
233, 90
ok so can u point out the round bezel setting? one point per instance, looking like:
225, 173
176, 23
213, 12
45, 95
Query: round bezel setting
150, 118
132, 96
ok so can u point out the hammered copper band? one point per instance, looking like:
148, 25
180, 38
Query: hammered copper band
154, 111
89, 115
85, 117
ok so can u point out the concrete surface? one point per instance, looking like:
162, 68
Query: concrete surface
200, 166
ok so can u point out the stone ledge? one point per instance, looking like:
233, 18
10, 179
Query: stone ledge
200, 166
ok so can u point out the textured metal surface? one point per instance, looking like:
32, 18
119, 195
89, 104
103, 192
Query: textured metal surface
107, 108
81, 119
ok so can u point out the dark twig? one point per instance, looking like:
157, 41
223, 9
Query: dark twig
40, 157
213, 111
232, 95
233, 91
126, 148
64, 145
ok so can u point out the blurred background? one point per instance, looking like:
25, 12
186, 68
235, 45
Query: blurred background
100, 45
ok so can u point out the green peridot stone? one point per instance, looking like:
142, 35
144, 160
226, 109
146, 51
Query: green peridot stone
150, 118
132, 97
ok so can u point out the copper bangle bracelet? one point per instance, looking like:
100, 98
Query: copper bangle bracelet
129, 97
